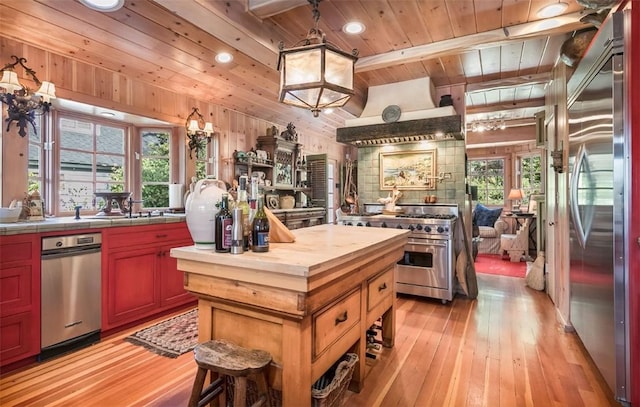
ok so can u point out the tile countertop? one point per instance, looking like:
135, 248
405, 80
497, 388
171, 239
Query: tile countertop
69, 223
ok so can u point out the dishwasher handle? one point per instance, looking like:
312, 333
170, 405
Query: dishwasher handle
68, 252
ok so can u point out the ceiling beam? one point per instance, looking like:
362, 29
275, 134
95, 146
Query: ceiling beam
493, 108
506, 83
519, 32
215, 22
268, 8
496, 137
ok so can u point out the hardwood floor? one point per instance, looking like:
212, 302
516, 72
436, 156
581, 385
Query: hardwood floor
503, 349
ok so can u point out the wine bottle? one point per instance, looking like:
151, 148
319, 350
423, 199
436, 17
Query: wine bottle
260, 228
224, 224
237, 243
244, 205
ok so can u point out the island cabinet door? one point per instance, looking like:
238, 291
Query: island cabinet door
133, 289
172, 292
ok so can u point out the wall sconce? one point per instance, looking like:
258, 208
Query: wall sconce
22, 105
199, 132
315, 74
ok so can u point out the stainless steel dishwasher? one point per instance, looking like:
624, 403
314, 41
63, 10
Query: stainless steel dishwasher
71, 292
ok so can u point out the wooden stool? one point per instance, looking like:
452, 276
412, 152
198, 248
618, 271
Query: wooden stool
227, 359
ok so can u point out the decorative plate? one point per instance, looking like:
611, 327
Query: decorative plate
272, 201
391, 113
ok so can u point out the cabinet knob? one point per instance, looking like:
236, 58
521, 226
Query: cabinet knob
382, 287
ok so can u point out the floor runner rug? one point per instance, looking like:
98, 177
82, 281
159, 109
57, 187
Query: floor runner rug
493, 264
172, 337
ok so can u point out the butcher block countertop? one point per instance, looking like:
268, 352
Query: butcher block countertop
296, 265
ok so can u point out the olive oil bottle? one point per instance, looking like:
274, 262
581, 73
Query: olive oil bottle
224, 224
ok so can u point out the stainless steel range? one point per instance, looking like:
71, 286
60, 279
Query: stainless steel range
427, 267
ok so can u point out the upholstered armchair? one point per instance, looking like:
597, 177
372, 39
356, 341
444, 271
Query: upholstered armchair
488, 227
516, 245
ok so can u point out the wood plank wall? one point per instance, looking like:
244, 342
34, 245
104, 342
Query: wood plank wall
112, 90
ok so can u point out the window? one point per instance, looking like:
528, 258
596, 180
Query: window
206, 163
36, 159
92, 158
530, 176
488, 176
155, 168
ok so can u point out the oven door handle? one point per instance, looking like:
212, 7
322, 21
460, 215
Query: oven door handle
430, 243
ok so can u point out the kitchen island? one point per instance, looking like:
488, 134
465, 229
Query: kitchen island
307, 302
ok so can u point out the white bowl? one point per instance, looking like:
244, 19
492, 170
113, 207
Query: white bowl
9, 215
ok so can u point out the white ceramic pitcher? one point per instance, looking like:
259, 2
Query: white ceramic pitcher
201, 210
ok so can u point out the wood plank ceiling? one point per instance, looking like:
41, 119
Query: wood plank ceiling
498, 48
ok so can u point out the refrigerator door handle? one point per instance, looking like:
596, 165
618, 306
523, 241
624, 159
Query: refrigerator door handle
581, 234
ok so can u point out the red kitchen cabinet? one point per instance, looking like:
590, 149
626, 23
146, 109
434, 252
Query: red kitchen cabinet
141, 279
19, 297
132, 286
172, 290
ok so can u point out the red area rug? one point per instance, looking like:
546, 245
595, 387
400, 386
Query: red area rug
493, 264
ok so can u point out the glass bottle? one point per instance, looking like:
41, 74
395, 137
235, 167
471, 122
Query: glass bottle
224, 224
237, 244
243, 204
260, 228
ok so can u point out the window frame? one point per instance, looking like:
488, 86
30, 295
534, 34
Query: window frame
211, 159
138, 183
526, 192
54, 170
485, 193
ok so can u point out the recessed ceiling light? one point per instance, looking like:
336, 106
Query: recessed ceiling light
107, 114
328, 110
103, 5
353, 27
552, 10
224, 57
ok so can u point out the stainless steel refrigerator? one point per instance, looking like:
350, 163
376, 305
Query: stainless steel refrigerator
599, 196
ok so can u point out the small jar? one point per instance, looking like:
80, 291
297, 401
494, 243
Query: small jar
446, 100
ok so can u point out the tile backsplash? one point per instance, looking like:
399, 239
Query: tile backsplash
450, 159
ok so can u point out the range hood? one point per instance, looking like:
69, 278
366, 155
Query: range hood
402, 112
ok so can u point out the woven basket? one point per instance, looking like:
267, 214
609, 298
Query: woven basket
329, 392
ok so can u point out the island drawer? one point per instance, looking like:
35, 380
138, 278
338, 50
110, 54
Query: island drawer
331, 323
379, 288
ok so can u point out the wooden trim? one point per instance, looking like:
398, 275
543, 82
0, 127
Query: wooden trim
449, 125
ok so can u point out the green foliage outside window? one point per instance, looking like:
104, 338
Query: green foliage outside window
530, 177
155, 169
488, 176
202, 158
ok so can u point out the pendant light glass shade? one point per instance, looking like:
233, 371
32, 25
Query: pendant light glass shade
316, 75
